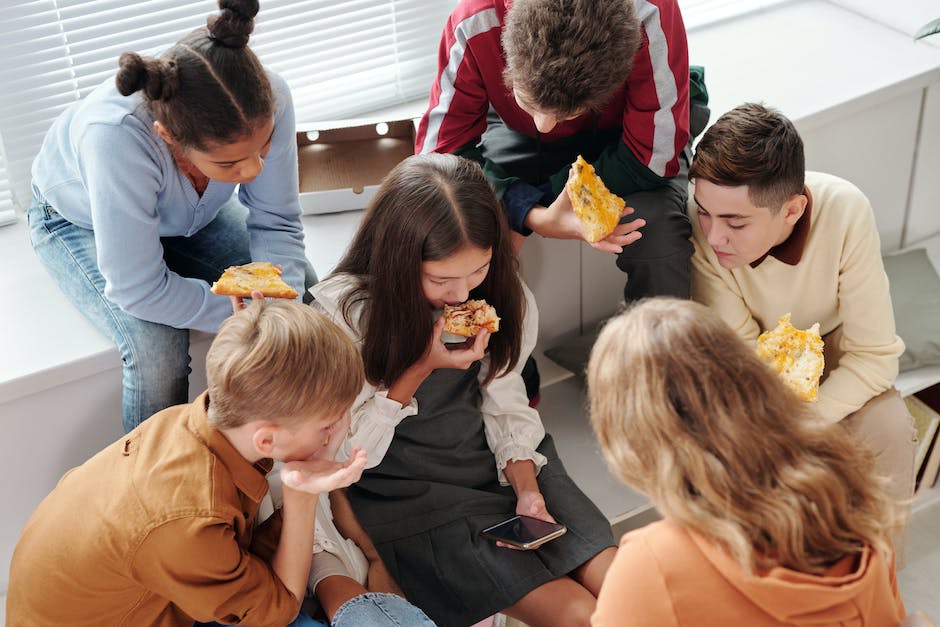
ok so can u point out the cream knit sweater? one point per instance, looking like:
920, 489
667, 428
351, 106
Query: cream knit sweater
838, 281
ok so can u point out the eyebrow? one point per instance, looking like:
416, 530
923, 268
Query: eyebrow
270, 137
726, 216
447, 278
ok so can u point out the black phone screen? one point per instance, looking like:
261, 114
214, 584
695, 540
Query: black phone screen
524, 531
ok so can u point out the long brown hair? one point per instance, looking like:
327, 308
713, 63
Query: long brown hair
428, 208
687, 413
209, 88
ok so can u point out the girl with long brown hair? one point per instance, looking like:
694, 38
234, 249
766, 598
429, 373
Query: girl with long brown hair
771, 516
453, 444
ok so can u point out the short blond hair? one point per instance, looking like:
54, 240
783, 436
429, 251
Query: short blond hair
687, 413
280, 361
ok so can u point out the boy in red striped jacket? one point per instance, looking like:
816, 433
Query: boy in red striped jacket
525, 86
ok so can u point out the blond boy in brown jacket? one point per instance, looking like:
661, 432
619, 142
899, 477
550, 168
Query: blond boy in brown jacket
158, 528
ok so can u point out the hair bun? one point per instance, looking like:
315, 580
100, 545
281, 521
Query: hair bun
233, 25
157, 77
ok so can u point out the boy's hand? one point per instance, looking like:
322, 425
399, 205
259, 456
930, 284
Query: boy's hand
559, 221
238, 303
315, 476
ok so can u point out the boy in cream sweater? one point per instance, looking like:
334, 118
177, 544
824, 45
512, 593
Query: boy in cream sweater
771, 239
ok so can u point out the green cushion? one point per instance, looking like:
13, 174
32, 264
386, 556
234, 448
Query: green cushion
915, 294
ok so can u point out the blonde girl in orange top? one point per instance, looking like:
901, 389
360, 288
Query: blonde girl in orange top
770, 516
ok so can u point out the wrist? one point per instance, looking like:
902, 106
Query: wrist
299, 498
535, 219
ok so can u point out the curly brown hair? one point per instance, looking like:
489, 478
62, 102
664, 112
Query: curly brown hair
753, 145
569, 56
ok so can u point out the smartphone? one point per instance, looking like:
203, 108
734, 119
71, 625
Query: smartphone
524, 532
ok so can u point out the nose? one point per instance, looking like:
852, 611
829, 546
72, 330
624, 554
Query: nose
461, 292
251, 168
714, 234
544, 122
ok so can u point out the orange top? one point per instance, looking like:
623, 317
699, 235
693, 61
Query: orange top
666, 575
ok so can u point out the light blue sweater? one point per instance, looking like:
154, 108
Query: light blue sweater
103, 167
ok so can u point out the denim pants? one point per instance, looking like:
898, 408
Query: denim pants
372, 609
155, 356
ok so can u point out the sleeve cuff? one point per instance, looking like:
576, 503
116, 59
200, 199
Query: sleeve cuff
519, 198
390, 412
516, 452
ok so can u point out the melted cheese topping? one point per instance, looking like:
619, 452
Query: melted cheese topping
795, 354
598, 209
261, 276
470, 318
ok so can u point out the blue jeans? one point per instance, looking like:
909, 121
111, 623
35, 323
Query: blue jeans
155, 356
372, 609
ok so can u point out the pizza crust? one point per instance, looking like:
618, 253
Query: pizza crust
469, 318
598, 209
258, 276
794, 354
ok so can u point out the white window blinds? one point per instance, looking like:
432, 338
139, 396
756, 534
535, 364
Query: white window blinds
341, 58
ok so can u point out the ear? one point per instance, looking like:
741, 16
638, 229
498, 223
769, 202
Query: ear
163, 133
265, 438
793, 208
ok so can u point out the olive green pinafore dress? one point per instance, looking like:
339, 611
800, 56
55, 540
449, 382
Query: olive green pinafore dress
436, 489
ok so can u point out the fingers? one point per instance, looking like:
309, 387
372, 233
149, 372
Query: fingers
318, 475
623, 235
238, 303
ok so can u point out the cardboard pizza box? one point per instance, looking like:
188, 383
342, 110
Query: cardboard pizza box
341, 168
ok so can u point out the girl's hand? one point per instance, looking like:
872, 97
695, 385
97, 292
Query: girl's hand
238, 303
532, 503
454, 356
315, 476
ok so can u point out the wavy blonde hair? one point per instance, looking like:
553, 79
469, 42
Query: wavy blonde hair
686, 413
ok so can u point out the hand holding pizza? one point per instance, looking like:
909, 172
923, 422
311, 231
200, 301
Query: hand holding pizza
559, 220
454, 356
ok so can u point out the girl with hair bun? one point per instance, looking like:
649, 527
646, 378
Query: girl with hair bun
770, 516
134, 212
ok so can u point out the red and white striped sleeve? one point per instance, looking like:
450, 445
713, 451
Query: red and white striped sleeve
656, 115
458, 103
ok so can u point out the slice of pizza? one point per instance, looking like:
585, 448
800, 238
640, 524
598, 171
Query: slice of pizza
598, 209
469, 318
795, 354
260, 276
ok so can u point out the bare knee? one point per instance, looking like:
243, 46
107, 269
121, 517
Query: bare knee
578, 612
